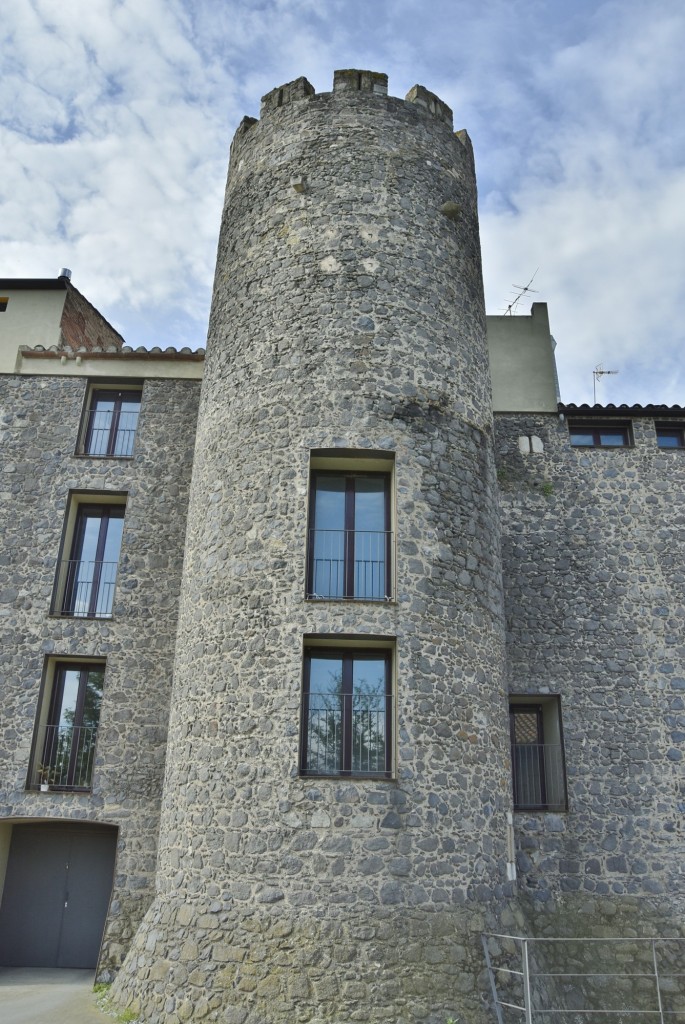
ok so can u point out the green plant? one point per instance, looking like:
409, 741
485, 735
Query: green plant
547, 489
103, 1000
46, 773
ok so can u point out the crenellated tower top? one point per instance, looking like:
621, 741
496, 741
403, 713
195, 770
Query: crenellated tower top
296, 102
351, 80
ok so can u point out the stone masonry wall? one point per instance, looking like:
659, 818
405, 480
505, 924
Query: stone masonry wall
39, 425
347, 315
594, 556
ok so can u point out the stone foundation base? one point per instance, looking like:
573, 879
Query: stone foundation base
191, 963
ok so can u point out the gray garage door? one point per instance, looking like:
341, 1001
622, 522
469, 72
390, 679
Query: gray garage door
56, 895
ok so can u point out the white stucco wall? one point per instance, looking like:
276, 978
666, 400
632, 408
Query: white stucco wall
134, 366
522, 362
32, 317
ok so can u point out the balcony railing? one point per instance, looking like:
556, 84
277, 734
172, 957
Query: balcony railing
65, 756
85, 590
539, 780
353, 564
109, 433
346, 733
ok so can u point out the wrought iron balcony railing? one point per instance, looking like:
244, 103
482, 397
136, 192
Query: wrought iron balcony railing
109, 433
539, 777
65, 756
346, 733
353, 564
85, 590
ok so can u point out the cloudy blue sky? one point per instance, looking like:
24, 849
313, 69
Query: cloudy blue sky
116, 118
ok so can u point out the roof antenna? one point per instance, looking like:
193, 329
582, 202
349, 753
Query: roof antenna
521, 290
598, 372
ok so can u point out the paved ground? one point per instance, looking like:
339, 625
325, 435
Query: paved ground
31, 995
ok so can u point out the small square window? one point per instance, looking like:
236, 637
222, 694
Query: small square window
670, 436
4, 299
109, 423
599, 435
67, 725
347, 712
537, 753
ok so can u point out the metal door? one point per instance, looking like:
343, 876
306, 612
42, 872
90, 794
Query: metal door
56, 895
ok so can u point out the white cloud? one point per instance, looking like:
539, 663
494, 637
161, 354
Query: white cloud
599, 205
116, 172
118, 116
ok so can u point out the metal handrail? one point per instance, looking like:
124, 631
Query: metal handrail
527, 976
85, 589
67, 754
336, 722
352, 564
538, 771
109, 433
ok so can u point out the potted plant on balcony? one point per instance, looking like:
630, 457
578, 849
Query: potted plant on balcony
46, 774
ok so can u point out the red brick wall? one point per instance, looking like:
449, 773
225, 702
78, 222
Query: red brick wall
83, 327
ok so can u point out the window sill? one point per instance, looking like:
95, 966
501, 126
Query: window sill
349, 776
88, 455
77, 790
80, 618
315, 599
549, 809
603, 447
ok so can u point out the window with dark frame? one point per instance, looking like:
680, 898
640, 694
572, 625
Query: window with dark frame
350, 540
670, 436
110, 423
86, 580
347, 712
64, 744
599, 435
537, 755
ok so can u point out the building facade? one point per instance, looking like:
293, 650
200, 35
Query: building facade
423, 622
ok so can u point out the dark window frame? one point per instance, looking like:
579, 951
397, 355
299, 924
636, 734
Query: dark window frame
536, 765
596, 429
67, 578
89, 428
350, 475
47, 755
670, 430
347, 655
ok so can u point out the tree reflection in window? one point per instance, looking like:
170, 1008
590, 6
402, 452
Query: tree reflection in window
346, 712
67, 746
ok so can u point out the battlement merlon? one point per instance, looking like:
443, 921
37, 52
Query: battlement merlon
352, 80
281, 96
347, 83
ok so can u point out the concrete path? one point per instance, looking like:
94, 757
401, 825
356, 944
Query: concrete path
31, 995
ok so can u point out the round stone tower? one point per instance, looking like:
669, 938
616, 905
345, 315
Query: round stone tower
334, 825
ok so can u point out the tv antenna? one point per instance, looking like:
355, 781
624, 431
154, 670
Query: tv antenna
598, 372
521, 290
